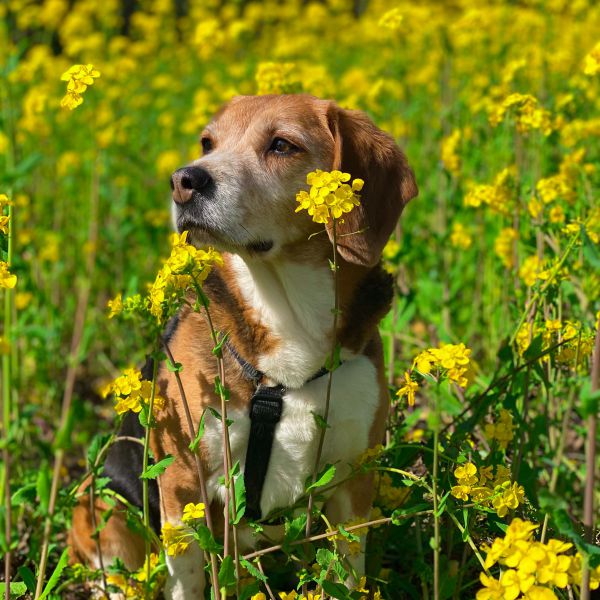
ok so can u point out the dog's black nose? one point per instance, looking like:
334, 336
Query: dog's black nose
186, 181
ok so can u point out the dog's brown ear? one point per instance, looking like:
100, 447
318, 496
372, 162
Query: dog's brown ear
366, 152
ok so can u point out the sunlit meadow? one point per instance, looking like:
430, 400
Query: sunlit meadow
485, 480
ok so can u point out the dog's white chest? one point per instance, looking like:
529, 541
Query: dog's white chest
353, 403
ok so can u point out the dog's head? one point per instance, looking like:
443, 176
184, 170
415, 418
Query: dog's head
240, 195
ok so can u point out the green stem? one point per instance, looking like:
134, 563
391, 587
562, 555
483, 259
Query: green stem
145, 497
436, 518
309, 509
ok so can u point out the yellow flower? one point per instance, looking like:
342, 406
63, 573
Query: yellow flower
592, 61
504, 246
259, 596
540, 593
460, 237
4, 224
115, 306
142, 573
175, 538
450, 157
392, 19
466, 474
192, 511
8, 280
409, 389
508, 498
329, 195
78, 77
530, 269
277, 78
493, 589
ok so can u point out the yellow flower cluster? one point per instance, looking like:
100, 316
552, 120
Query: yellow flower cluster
527, 113
460, 236
392, 19
277, 78
531, 569
498, 196
578, 340
495, 492
501, 430
504, 246
388, 496
450, 157
176, 538
132, 392
79, 77
592, 61
329, 196
8, 280
186, 264
453, 359
133, 587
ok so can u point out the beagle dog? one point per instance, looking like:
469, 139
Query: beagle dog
273, 297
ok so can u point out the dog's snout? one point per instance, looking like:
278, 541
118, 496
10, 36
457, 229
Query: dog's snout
186, 181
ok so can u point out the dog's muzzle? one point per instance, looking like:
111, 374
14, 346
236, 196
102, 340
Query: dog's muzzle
189, 181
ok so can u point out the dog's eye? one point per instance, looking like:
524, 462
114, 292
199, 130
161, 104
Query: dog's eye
282, 147
207, 145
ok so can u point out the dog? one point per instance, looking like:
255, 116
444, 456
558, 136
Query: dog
273, 297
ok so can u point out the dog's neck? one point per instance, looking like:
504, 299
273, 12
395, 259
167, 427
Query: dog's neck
293, 301
279, 313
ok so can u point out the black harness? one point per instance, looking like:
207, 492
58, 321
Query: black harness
266, 406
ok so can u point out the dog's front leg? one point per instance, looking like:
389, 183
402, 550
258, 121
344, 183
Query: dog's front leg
185, 569
352, 501
185, 574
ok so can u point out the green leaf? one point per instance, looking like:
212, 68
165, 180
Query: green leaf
333, 365
203, 536
325, 557
25, 494
249, 591
153, 471
351, 537
17, 589
323, 479
566, 527
227, 573
252, 570
320, 421
62, 563
28, 577
218, 349
239, 490
336, 590
194, 443
589, 400
97, 444
174, 367
43, 486
535, 348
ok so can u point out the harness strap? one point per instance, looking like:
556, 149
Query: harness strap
266, 407
265, 412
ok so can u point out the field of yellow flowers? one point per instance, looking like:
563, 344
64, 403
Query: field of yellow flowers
486, 479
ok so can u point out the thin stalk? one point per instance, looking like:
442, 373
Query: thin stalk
7, 412
590, 460
227, 460
145, 496
329, 379
436, 518
92, 496
7, 375
199, 470
309, 508
334, 532
561, 442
